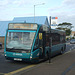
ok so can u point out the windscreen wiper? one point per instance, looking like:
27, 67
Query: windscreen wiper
10, 48
19, 48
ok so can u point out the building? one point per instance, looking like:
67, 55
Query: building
3, 27
38, 19
73, 33
4, 24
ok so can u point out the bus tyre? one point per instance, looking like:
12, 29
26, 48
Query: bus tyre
46, 56
62, 51
64, 47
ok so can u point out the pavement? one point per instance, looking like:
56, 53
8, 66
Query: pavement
1, 50
60, 65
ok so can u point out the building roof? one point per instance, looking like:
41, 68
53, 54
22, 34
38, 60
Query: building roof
39, 20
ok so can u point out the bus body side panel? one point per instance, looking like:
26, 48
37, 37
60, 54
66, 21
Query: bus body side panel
56, 49
35, 52
35, 55
46, 49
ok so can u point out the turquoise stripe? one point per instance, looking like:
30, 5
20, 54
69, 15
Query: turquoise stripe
35, 38
20, 31
5, 42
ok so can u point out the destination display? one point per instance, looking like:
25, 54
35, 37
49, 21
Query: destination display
22, 26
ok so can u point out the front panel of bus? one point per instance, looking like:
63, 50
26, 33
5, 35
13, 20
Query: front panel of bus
19, 44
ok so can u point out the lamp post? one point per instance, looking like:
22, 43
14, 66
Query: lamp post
34, 9
50, 44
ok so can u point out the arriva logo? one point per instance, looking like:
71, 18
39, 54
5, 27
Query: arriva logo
17, 54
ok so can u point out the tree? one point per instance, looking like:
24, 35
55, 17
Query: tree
68, 32
65, 26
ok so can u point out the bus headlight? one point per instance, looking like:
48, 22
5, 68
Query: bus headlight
5, 55
30, 57
31, 54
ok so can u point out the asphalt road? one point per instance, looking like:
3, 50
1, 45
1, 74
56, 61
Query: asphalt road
69, 46
7, 66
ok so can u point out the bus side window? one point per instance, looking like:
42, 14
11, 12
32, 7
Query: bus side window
55, 39
47, 39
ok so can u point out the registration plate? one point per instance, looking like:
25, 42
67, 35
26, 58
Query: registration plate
17, 59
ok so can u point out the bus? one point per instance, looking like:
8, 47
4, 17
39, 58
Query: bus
30, 42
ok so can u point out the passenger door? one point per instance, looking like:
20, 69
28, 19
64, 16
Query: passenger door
42, 44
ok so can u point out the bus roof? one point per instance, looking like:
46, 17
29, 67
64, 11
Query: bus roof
61, 32
22, 25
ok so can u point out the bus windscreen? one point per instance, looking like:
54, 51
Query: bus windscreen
20, 40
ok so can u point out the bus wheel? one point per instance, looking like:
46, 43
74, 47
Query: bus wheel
46, 56
64, 47
62, 51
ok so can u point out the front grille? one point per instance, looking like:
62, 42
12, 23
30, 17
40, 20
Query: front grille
16, 51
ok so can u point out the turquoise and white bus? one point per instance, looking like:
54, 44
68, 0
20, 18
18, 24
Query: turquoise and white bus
30, 42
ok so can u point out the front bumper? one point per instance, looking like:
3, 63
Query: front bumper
22, 59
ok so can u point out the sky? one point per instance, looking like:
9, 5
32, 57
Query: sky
63, 9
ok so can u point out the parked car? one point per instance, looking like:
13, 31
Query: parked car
72, 41
0, 45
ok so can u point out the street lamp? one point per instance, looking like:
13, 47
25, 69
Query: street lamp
34, 9
50, 44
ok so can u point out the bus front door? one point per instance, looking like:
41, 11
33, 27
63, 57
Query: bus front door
42, 43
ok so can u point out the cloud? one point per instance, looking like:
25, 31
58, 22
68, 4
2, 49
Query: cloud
65, 12
3, 2
66, 5
17, 3
69, 3
12, 8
